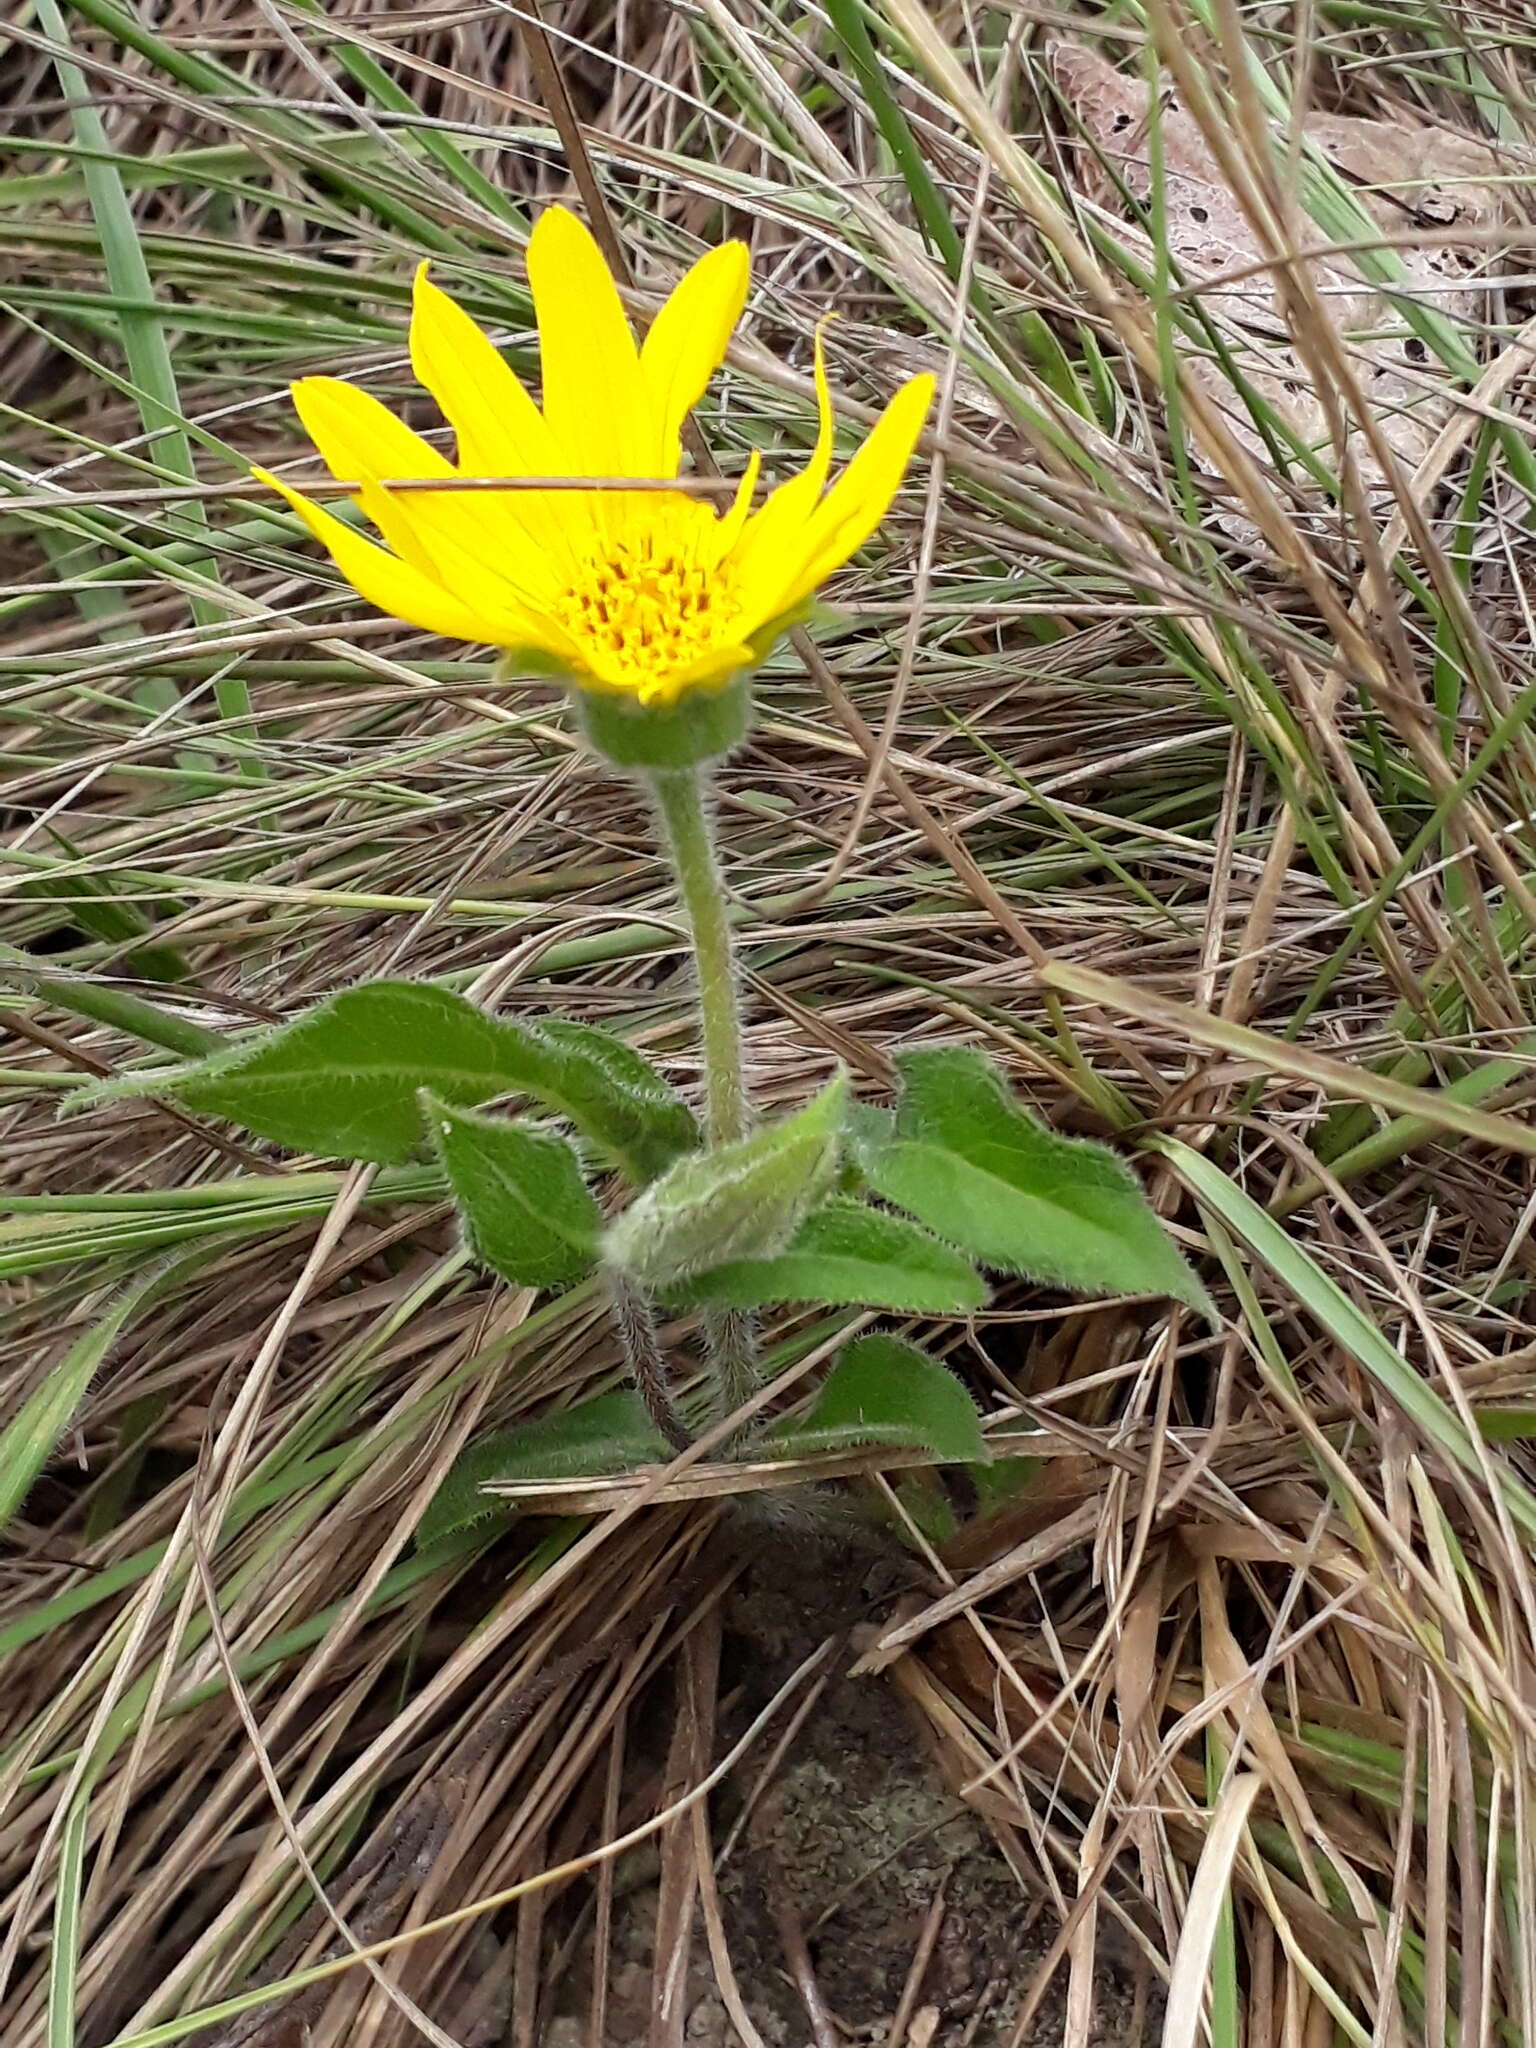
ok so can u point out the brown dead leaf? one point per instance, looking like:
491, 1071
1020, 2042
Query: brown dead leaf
1405, 177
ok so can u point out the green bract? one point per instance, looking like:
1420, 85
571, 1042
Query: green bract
740, 1201
704, 726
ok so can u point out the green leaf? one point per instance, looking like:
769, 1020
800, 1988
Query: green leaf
615, 1096
1505, 1425
850, 1253
965, 1159
927, 1506
869, 1127
342, 1080
997, 1484
526, 1210
883, 1391
609, 1433
738, 1201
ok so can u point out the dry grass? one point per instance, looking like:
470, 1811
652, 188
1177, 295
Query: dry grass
1190, 773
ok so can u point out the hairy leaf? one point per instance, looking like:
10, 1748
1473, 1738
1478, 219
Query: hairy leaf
850, 1253
526, 1210
739, 1201
884, 1391
614, 1095
29, 1438
342, 1080
965, 1159
609, 1433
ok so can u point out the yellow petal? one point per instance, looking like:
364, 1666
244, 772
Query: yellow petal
360, 440
772, 543
460, 539
711, 671
734, 521
385, 581
471, 538
862, 495
821, 455
500, 430
357, 436
687, 343
595, 402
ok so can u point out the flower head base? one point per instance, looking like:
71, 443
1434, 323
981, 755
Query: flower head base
650, 595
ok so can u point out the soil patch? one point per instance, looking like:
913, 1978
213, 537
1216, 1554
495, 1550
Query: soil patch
858, 1856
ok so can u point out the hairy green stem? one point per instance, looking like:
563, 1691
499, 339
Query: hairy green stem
636, 1325
730, 1337
682, 803
682, 806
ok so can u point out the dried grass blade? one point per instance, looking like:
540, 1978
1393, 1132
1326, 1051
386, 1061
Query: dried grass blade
1208, 1897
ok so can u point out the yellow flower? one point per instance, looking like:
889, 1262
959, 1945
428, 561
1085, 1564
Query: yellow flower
642, 594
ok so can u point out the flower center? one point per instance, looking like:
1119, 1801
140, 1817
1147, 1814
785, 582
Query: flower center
645, 608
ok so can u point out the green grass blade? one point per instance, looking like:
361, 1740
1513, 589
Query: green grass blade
1331, 1308
141, 327
852, 32
64, 1953
28, 1439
